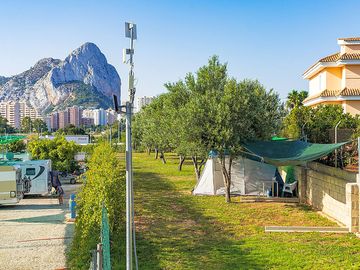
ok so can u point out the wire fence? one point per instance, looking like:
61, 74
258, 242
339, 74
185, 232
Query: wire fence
100, 258
105, 240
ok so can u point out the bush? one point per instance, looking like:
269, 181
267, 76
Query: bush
17, 147
105, 183
60, 151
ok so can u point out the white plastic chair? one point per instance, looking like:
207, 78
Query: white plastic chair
289, 188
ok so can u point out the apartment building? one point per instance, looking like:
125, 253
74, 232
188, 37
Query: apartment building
28, 111
143, 101
54, 121
99, 117
75, 116
64, 118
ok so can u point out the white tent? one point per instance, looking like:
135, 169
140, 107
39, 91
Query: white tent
248, 177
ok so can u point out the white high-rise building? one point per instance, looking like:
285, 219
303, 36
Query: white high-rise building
99, 117
143, 101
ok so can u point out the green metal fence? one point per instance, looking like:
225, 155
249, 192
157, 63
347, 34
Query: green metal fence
105, 240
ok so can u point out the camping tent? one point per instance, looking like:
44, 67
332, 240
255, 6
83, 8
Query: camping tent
248, 177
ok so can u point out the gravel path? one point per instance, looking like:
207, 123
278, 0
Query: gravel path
34, 233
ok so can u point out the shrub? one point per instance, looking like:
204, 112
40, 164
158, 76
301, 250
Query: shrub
16, 147
105, 183
60, 151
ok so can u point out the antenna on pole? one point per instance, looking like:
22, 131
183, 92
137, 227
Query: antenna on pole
130, 32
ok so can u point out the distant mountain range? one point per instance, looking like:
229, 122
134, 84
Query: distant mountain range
84, 78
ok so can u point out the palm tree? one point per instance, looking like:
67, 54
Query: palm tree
295, 98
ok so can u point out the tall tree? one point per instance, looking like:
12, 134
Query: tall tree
295, 98
39, 125
4, 126
208, 111
246, 111
205, 90
26, 124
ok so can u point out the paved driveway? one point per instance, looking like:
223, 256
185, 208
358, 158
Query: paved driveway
34, 233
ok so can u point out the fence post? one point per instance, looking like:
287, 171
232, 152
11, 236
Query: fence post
93, 263
99, 257
72, 206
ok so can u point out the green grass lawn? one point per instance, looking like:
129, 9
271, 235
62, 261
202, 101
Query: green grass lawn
176, 230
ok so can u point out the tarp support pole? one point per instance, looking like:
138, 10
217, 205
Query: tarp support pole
358, 176
336, 140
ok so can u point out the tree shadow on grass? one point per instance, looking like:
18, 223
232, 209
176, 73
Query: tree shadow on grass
173, 234
302, 207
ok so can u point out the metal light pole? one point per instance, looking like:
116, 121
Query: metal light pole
336, 140
130, 32
118, 137
110, 135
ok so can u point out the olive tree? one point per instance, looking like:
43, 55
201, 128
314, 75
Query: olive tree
246, 111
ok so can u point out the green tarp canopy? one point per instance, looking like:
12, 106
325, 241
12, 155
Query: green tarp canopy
276, 138
10, 138
283, 153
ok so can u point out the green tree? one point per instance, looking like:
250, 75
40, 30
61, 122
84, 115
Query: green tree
295, 122
39, 125
196, 125
246, 111
208, 111
71, 130
16, 147
317, 122
26, 124
60, 151
5, 127
295, 98
324, 118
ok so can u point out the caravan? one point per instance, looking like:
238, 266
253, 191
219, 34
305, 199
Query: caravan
12, 185
38, 171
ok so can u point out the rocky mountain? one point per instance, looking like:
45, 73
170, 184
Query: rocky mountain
84, 78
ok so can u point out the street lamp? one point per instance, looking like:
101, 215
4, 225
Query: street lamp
130, 32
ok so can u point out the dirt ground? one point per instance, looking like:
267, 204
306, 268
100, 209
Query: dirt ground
34, 234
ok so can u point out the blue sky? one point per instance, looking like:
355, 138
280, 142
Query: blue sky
273, 41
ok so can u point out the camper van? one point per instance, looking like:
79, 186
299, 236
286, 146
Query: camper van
38, 171
12, 186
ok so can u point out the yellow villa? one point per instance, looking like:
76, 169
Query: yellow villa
335, 79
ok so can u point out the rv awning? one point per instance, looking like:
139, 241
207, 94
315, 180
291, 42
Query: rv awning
282, 153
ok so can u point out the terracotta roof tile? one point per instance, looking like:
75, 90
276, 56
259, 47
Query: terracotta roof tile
330, 58
335, 57
350, 56
350, 92
335, 93
350, 39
